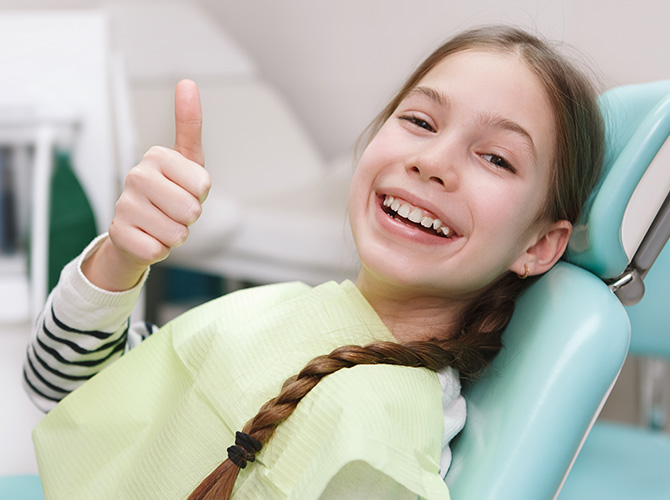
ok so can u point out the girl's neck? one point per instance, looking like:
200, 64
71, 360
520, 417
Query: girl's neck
411, 314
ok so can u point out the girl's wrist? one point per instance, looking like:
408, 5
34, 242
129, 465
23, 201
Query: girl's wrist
111, 270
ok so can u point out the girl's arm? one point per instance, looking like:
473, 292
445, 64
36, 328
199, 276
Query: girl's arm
84, 325
81, 330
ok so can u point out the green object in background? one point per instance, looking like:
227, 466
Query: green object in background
184, 285
71, 219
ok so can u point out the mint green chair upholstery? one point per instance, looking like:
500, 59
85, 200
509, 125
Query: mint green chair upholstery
22, 487
530, 413
624, 461
621, 461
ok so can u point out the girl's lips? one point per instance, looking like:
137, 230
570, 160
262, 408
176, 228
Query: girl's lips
424, 208
420, 217
413, 222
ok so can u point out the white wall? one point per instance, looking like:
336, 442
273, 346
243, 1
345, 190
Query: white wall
338, 62
56, 68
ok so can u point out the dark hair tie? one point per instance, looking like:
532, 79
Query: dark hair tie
244, 450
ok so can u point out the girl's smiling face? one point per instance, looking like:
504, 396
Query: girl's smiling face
449, 194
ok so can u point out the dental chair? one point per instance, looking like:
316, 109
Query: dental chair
531, 412
22, 487
631, 461
623, 461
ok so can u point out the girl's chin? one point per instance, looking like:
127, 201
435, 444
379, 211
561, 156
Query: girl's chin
401, 278
407, 276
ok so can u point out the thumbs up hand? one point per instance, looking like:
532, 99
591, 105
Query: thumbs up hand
162, 197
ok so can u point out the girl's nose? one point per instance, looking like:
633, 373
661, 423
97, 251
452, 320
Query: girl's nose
437, 161
445, 176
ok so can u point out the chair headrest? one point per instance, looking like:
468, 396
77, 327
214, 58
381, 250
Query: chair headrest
637, 124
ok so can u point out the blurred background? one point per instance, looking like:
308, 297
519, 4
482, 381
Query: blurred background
86, 87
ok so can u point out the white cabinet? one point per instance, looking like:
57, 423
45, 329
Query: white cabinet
54, 90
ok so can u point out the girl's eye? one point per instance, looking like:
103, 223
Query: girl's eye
419, 122
499, 161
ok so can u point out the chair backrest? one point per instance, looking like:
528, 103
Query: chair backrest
530, 412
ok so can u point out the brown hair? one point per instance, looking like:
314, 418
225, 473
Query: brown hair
579, 147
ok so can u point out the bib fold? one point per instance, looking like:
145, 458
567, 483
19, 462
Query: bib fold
159, 420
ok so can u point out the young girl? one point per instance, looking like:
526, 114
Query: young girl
470, 182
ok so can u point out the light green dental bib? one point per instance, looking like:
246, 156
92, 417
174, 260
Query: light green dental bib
155, 423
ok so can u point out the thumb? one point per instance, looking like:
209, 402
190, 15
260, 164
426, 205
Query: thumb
188, 122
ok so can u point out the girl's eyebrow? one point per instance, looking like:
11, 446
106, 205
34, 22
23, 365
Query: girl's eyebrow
486, 120
434, 95
498, 122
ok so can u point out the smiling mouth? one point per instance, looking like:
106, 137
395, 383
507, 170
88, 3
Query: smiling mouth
410, 215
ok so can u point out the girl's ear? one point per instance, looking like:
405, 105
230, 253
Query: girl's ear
545, 250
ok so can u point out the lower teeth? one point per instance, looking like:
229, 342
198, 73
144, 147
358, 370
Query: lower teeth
408, 222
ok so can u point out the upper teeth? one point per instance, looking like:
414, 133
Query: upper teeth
415, 214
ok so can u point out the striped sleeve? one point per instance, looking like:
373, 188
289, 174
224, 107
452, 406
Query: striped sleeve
81, 330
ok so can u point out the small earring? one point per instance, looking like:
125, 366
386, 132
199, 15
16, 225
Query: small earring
526, 272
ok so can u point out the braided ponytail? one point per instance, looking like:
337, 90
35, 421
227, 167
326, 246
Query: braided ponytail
467, 353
